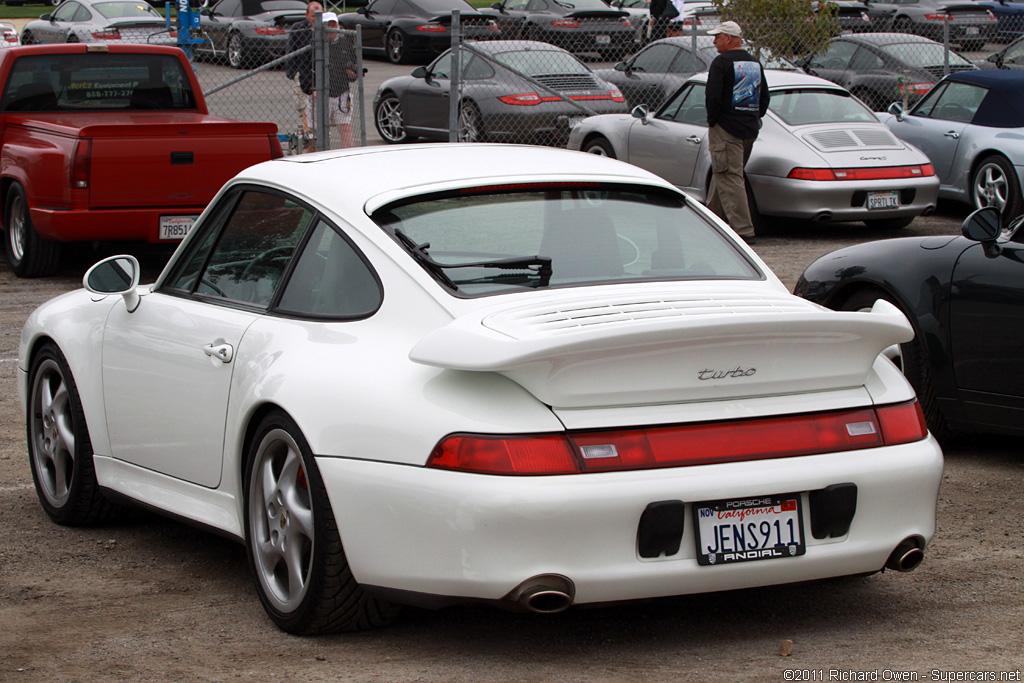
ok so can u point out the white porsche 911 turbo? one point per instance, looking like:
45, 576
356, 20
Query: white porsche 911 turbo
451, 373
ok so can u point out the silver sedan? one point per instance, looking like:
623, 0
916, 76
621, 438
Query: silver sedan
821, 154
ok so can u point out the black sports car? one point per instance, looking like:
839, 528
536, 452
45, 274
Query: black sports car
579, 26
965, 299
407, 30
248, 32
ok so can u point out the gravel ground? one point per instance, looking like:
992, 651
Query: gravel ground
148, 599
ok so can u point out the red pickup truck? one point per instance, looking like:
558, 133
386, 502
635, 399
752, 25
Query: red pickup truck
113, 142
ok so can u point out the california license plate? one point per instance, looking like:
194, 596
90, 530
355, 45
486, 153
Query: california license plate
761, 528
971, 30
883, 200
175, 227
602, 39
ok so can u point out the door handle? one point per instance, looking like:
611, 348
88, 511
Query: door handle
695, 139
952, 134
222, 352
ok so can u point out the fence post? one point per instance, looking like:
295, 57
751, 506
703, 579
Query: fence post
455, 79
945, 44
321, 105
359, 86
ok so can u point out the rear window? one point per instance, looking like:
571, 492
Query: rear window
535, 62
97, 81
495, 240
801, 107
924, 54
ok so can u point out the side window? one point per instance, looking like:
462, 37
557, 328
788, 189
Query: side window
478, 69
956, 102
687, 62
252, 250
66, 12
516, 5
866, 60
654, 59
442, 67
330, 279
837, 56
383, 6
687, 107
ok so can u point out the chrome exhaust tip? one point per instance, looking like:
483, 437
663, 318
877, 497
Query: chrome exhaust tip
906, 558
544, 594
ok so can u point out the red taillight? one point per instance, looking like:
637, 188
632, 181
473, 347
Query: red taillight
109, 34
269, 30
880, 173
565, 23
493, 26
902, 423
11, 37
81, 163
276, 151
683, 445
505, 455
616, 94
432, 28
526, 99
937, 17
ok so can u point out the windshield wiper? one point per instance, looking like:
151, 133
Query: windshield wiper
538, 266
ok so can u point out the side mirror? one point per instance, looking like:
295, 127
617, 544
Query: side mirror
419, 72
641, 112
498, 6
362, 10
46, 17
620, 66
984, 225
896, 109
115, 275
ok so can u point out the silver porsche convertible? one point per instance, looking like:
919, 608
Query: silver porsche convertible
821, 154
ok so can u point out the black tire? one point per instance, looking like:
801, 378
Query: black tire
238, 57
994, 182
889, 223
72, 38
599, 146
762, 224
60, 452
471, 124
388, 119
28, 254
27, 38
913, 362
395, 46
903, 25
286, 506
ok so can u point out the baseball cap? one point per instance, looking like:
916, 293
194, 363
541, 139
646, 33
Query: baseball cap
729, 28
328, 16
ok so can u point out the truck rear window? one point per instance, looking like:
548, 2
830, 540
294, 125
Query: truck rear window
97, 81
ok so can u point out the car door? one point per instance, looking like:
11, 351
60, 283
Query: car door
167, 366
374, 20
674, 141
833, 63
426, 104
217, 22
986, 328
937, 123
61, 22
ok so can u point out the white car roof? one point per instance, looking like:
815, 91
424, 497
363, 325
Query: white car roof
778, 79
364, 179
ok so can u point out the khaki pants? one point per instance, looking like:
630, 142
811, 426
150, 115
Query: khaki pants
727, 196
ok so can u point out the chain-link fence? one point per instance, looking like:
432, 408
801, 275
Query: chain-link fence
314, 94
533, 92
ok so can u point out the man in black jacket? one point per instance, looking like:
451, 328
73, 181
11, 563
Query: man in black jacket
299, 36
736, 99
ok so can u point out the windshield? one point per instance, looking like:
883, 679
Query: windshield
556, 236
923, 54
801, 107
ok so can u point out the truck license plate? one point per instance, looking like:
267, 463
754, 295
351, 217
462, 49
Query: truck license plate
760, 528
175, 227
883, 200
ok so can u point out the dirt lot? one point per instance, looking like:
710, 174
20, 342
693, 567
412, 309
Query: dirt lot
152, 600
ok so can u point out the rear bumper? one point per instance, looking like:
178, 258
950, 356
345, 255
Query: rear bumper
139, 224
841, 200
466, 536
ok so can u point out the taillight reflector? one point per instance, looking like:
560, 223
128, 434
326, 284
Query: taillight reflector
880, 173
682, 445
432, 28
81, 164
269, 30
276, 151
565, 23
109, 34
527, 99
